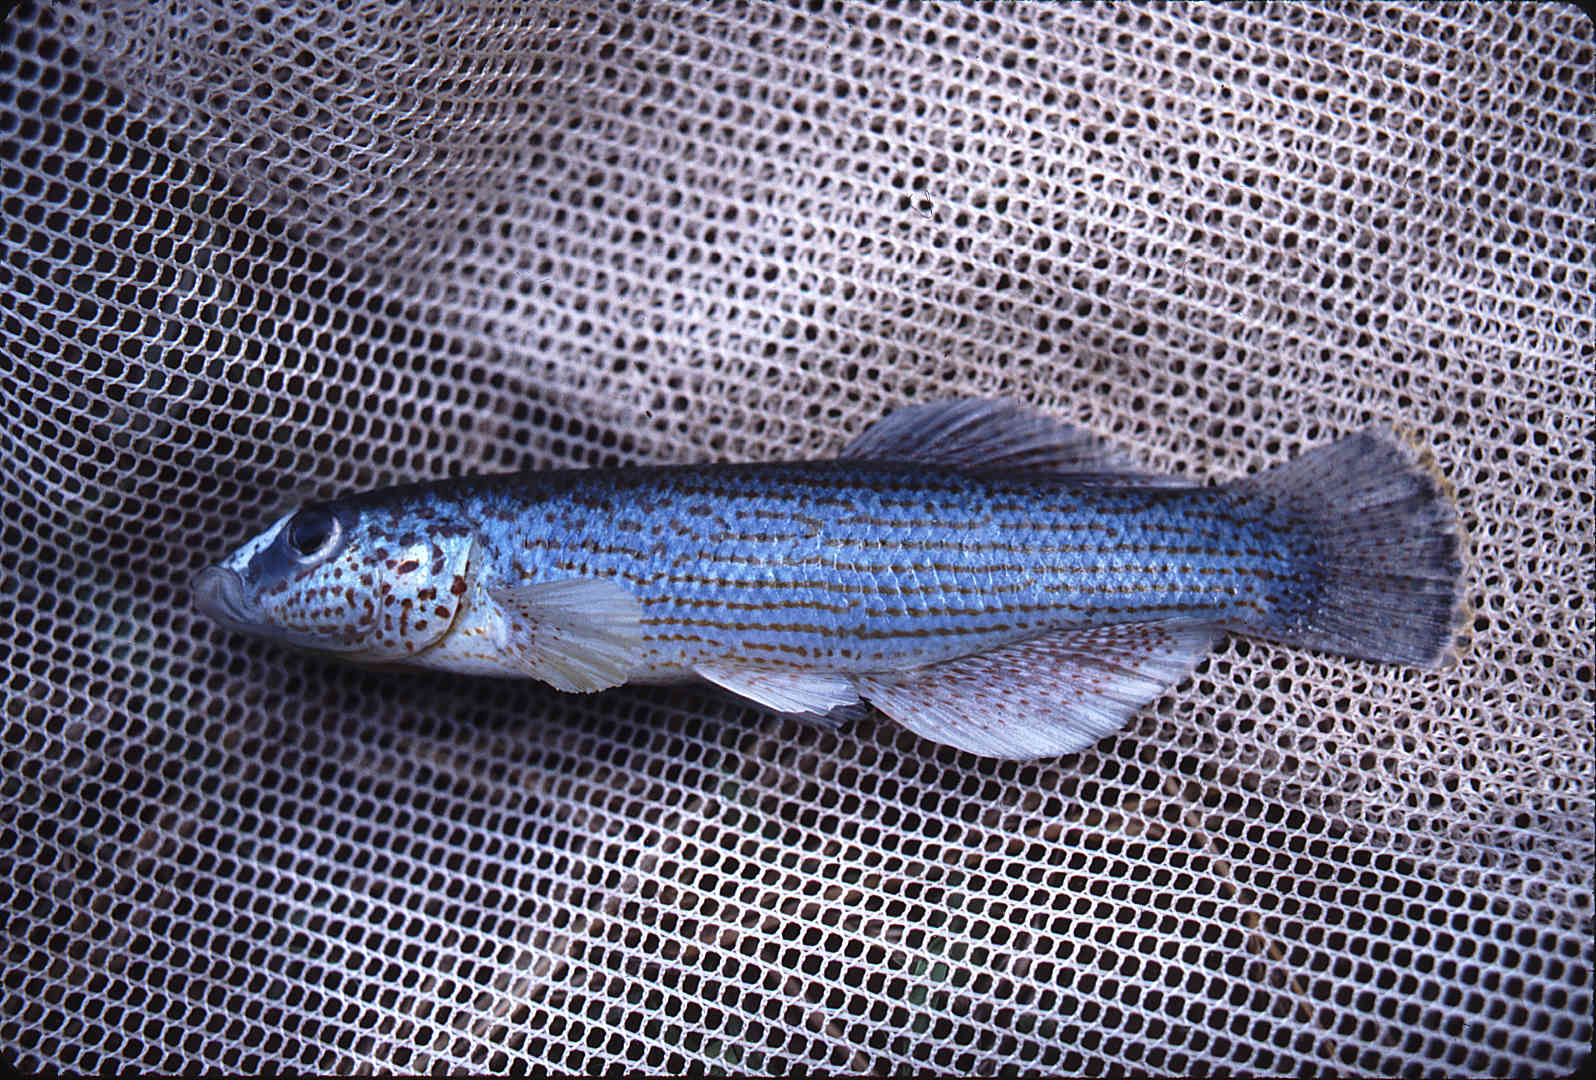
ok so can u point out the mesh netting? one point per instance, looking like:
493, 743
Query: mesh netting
258, 252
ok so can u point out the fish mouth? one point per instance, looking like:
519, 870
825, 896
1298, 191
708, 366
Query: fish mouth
219, 593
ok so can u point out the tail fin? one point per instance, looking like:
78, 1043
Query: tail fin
1390, 567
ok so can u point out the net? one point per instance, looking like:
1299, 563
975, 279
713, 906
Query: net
258, 252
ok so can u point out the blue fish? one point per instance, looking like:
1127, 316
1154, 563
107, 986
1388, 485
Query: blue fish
984, 575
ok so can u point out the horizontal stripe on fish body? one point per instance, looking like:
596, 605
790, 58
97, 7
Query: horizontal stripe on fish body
689, 580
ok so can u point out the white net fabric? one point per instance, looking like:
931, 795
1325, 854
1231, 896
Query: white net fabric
253, 252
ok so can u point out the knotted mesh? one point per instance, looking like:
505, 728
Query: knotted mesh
258, 252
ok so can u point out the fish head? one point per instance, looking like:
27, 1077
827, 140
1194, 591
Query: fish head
366, 582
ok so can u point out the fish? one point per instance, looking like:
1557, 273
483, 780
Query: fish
985, 575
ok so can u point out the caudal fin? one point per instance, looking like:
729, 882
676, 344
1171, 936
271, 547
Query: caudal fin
1389, 563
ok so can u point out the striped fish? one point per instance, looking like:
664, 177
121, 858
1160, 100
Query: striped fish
987, 577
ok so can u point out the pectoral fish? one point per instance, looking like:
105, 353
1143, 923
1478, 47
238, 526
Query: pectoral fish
986, 576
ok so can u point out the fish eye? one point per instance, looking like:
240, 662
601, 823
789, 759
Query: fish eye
311, 532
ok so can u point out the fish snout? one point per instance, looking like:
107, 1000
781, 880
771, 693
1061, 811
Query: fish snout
219, 593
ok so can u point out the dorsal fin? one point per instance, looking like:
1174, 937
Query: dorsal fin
979, 433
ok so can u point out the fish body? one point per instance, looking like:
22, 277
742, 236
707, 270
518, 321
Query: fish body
863, 566
988, 577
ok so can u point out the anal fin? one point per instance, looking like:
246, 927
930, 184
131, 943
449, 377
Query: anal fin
1040, 698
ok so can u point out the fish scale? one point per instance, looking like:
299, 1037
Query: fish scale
990, 578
